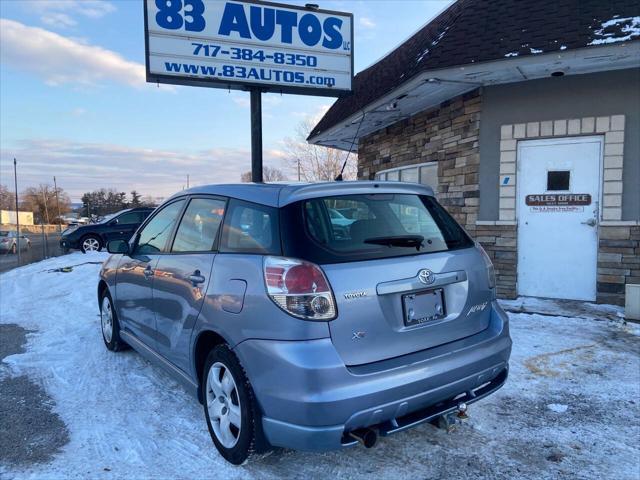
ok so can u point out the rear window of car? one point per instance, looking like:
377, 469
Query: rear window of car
250, 228
370, 227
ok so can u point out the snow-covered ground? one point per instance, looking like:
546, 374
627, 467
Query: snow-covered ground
570, 408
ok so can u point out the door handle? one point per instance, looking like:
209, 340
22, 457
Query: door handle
196, 277
591, 222
148, 272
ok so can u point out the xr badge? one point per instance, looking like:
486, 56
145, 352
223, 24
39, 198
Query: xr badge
358, 335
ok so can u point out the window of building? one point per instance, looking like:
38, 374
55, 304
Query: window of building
424, 173
558, 180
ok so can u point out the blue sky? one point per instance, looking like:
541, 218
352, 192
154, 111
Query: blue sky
74, 103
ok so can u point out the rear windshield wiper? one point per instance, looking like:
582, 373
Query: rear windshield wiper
411, 241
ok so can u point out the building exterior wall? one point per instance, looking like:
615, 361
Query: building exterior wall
566, 98
8, 217
447, 134
471, 138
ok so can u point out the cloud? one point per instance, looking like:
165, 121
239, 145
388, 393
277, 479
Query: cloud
81, 167
58, 20
58, 13
60, 60
78, 112
367, 22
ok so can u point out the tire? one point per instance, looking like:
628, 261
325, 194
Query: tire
109, 324
90, 243
238, 443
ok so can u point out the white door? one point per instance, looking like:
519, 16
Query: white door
558, 196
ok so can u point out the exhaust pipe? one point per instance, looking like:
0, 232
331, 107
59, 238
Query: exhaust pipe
366, 436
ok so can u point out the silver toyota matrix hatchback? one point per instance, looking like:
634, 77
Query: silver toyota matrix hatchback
309, 316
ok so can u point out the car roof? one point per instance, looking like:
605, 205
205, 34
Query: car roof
281, 194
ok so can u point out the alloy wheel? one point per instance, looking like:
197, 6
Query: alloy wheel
223, 405
91, 245
106, 319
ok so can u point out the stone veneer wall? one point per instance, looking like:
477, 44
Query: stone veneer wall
500, 243
447, 134
618, 261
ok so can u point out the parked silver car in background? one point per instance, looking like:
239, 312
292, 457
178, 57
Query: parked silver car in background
9, 242
295, 331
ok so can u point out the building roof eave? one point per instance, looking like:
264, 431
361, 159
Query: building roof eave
430, 88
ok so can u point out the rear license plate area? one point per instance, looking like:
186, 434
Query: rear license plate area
423, 307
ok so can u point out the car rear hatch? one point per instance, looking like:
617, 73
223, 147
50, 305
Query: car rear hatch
375, 300
405, 276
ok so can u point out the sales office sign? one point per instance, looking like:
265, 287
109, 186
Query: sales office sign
240, 44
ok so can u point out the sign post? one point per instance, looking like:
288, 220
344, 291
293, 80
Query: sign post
249, 45
15, 184
256, 135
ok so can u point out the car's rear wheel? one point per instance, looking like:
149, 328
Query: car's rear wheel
91, 243
229, 405
109, 324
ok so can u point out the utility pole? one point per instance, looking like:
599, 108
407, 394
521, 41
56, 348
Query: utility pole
15, 184
298, 169
55, 185
256, 135
187, 180
44, 199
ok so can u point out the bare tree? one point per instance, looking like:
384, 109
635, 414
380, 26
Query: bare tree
316, 163
41, 201
269, 174
7, 198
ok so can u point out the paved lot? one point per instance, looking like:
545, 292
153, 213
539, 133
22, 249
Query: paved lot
40, 249
40, 433
570, 408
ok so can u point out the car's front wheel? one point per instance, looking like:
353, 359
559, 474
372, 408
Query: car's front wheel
109, 324
229, 405
91, 243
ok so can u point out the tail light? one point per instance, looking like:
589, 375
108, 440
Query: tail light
491, 272
299, 288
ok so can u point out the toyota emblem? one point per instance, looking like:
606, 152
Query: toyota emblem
426, 276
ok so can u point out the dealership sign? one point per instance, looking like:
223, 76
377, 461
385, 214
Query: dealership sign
240, 44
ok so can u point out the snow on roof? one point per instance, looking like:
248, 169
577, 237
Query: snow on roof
473, 31
617, 30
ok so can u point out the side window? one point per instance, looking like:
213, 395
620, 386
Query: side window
199, 225
155, 234
250, 228
129, 218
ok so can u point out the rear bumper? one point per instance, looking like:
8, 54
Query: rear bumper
310, 399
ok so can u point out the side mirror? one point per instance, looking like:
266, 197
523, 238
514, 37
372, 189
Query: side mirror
113, 222
118, 246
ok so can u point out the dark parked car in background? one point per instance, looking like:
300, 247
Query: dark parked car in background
93, 237
8, 242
